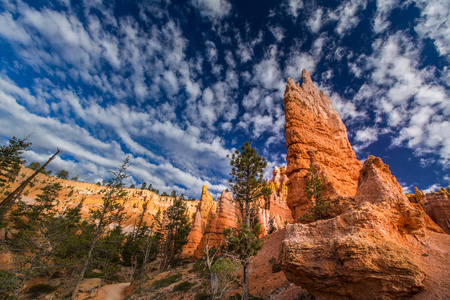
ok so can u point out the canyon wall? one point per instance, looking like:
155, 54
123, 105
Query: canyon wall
208, 217
274, 214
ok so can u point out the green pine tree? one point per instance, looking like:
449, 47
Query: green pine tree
63, 174
11, 158
110, 212
142, 245
315, 190
33, 229
247, 184
176, 231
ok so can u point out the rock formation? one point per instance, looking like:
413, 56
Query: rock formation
364, 253
279, 181
208, 227
225, 217
206, 210
436, 205
313, 123
274, 212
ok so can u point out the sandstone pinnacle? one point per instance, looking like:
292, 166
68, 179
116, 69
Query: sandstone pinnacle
313, 123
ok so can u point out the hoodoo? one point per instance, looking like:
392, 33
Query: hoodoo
313, 123
380, 244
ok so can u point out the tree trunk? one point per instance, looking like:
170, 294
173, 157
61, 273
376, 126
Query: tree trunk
246, 282
214, 285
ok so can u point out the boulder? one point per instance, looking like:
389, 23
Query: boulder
364, 253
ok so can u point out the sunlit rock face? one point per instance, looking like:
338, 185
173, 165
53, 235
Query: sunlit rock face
73, 192
206, 211
313, 123
225, 217
364, 253
274, 214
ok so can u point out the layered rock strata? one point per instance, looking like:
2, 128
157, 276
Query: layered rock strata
365, 253
313, 123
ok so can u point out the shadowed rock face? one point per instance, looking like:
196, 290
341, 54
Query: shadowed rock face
436, 205
313, 123
364, 253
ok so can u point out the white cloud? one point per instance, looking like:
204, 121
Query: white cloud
213, 9
59, 44
298, 60
434, 23
316, 22
347, 15
267, 73
347, 109
184, 148
365, 137
277, 32
10, 30
409, 99
293, 7
384, 8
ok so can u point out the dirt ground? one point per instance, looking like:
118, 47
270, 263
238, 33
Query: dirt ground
435, 260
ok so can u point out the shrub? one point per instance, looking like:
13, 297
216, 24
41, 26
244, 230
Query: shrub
166, 281
276, 267
184, 286
94, 275
39, 289
202, 296
70, 193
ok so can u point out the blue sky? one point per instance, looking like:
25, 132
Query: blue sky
177, 85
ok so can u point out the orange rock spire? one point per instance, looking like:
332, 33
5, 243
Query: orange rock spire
312, 123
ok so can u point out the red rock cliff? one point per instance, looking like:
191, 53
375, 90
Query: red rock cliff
313, 123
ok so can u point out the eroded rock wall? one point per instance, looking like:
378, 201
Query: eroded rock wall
225, 217
274, 214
